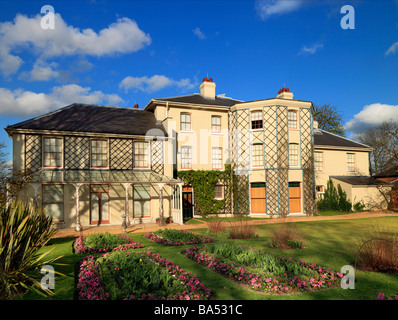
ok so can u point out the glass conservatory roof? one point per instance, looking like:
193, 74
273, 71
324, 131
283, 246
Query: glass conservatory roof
100, 176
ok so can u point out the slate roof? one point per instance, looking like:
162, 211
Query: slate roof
324, 138
360, 180
90, 118
196, 98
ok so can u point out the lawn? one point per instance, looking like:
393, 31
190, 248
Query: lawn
329, 243
333, 213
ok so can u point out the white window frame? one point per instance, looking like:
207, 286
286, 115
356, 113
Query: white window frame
45, 138
145, 154
186, 160
91, 153
294, 159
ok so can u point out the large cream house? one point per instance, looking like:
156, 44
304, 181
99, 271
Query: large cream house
93, 164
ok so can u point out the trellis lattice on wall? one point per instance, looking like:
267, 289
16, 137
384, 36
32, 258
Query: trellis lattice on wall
121, 154
307, 160
157, 157
33, 152
275, 141
283, 160
240, 164
271, 158
76, 153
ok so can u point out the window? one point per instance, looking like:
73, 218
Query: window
142, 201
99, 153
218, 192
257, 155
350, 162
175, 198
186, 157
216, 158
141, 154
257, 119
320, 189
318, 161
292, 119
53, 201
293, 154
216, 124
52, 152
185, 121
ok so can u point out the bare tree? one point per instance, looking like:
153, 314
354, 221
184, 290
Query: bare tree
384, 141
11, 181
329, 119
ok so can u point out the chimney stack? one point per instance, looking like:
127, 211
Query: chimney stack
284, 93
315, 124
208, 88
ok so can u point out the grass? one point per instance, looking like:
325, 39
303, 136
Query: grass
329, 243
226, 219
333, 213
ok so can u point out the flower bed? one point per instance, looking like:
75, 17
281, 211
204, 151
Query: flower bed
173, 237
382, 296
150, 276
104, 242
264, 272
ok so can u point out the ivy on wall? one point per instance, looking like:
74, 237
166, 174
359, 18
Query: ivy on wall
203, 182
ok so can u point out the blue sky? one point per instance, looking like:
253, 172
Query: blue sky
125, 52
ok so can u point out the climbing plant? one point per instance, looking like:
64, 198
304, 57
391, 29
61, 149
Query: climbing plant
203, 182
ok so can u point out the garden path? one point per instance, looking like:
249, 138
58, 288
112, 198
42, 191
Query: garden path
150, 227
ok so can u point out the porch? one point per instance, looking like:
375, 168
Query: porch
132, 197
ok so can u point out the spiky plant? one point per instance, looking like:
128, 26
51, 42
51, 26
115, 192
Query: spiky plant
24, 230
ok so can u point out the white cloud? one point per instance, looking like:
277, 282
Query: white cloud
311, 50
123, 36
154, 83
27, 103
267, 8
393, 49
371, 116
42, 71
197, 32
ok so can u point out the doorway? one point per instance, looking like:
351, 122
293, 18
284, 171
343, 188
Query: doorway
187, 202
294, 197
257, 197
99, 204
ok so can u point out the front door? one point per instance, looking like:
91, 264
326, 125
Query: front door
99, 204
294, 197
257, 197
187, 203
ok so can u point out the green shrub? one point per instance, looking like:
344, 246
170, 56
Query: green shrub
24, 230
104, 240
334, 199
124, 273
359, 206
267, 264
